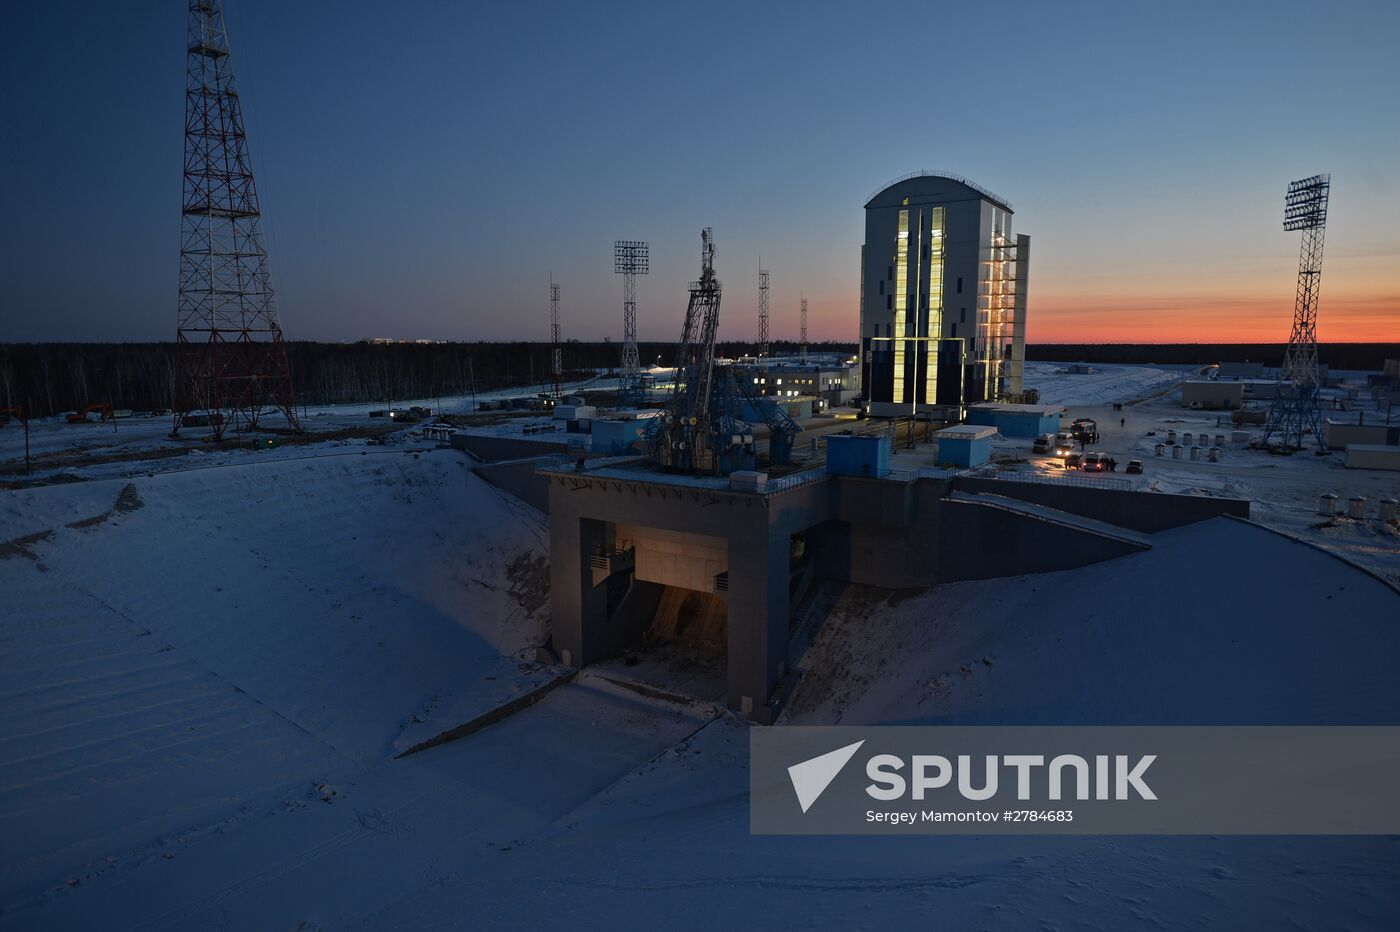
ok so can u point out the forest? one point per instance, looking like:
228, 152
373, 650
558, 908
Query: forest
50, 378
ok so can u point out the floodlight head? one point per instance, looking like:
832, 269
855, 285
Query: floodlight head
1305, 204
630, 257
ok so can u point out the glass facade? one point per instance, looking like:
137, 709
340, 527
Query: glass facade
901, 303
934, 329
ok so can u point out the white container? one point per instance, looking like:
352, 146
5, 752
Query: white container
1327, 504
1390, 508
1239, 436
1356, 507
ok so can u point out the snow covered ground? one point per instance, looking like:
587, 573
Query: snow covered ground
1104, 385
208, 667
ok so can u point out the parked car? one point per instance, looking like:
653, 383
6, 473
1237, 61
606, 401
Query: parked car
1043, 444
1072, 460
1099, 462
1134, 467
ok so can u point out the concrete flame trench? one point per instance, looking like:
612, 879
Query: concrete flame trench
620, 533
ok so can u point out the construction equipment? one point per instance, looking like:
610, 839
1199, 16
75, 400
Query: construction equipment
81, 417
702, 429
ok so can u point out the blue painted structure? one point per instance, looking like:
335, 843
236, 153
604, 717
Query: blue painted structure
1016, 420
620, 436
965, 444
849, 455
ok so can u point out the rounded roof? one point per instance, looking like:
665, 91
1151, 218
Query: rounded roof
972, 186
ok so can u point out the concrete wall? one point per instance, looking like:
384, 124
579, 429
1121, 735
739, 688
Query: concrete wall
979, 540
1139, 511
494, 449
675, 558
519, 479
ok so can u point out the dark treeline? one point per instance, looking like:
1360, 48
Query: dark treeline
1367, 356
49, 378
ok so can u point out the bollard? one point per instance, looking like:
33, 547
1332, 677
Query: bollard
1390, 508
1327, 504
1195, 453
1171, 436
1176, 452
1220, 440
1186, 439
1356, 507
1214, 455
1159, 449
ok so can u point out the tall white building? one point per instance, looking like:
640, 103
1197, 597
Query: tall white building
943, 296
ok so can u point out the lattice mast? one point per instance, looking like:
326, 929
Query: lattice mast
630, 259
231, 364
762, 311
556, 350
803, 326
1295, 412
702, 430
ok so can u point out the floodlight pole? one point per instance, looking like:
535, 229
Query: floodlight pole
1295, 412
630, 259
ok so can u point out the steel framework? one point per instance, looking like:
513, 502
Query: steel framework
762, 312
556, 351
630, 259
230, 361
1295, 412
803, 340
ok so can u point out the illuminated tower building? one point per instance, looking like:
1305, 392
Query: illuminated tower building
943, 296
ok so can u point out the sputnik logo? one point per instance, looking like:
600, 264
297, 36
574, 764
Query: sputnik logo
811, 777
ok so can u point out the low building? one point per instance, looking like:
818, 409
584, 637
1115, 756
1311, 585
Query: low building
620, 434
1016, 420
831, 380
1240, 370
855, 455
1213, 394
1340, 436
965, 445
1372, 456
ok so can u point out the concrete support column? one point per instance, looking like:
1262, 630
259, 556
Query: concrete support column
578, 609
758, 618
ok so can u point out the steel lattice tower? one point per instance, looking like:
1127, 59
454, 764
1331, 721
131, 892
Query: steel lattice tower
231, 364
556, 352
630, 259
1295, 412
762, 312
803, 339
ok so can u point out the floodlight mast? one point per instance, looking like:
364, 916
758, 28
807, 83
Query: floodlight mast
556, 351
630, 259
762, 310
1295, 412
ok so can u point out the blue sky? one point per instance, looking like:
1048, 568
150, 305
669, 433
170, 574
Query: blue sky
425, 167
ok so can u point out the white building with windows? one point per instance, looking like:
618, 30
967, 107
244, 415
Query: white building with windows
943, 297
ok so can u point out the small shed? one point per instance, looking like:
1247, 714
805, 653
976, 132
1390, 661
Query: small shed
1016, 420
1212, 394
965, 444
1372, 456
852, 455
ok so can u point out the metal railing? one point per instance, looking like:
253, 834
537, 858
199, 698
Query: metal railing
795, 480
